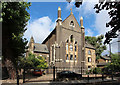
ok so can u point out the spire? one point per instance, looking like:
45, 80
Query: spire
81, 22
59, 13
71, 11
32, 39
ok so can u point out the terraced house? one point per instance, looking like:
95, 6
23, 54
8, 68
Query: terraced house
67, 47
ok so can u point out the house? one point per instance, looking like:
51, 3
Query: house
90, 56
103, 61
37, 49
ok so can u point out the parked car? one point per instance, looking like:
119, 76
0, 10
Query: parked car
68, 74
37, 72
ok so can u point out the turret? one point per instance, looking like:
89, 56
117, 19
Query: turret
31, 44
59, 20
81, 22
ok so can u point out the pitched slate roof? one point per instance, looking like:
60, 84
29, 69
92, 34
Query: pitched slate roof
87, 45
102, 64
40, 48
105, 57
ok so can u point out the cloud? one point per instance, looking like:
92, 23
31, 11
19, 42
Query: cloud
100, 23
88, 32
69, 5
39, 29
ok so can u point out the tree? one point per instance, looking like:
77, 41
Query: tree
96, 70
97, 43
14, 21
33, 61
114, 13
114, 65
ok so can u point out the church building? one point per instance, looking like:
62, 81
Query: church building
66, 46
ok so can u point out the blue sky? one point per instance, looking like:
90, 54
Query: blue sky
44, 14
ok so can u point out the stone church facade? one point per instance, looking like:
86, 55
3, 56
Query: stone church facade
67, 47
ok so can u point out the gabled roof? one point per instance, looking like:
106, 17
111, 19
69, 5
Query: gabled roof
42, 48
87, 45
69, 16
49, 36
102, 64
105, 57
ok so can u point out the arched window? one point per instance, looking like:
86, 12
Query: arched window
75, 42
75, 45
89, 52
72, 23
67, 45
75, 57
67, 57
71, 38
71, 57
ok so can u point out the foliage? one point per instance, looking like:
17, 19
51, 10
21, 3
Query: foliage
14, 21
89, 71
113, 9
33, 61
97, 43
96, 70
114, 65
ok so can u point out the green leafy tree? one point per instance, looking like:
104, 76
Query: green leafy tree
33, 61
14, 21
96, 70
114, 65
97, 43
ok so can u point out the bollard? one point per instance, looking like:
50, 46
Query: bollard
112, 75
102, 77
17, 76
23, 75
53, 73
88, 77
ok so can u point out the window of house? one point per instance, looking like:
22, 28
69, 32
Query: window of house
89, 52
89, 59
75, 42
71, 38
89, 67
67, 57
72, 23
71, 47
71, 57
67, 41
67, 47
75, 48
75, 57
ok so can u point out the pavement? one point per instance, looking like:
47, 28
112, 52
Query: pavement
47, 80
72, 82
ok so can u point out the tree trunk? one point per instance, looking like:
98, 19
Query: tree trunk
10, 68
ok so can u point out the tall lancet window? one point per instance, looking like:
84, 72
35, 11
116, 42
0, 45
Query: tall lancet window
71, 38
75, 45
67, 45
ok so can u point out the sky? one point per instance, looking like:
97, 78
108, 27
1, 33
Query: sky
43, 16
